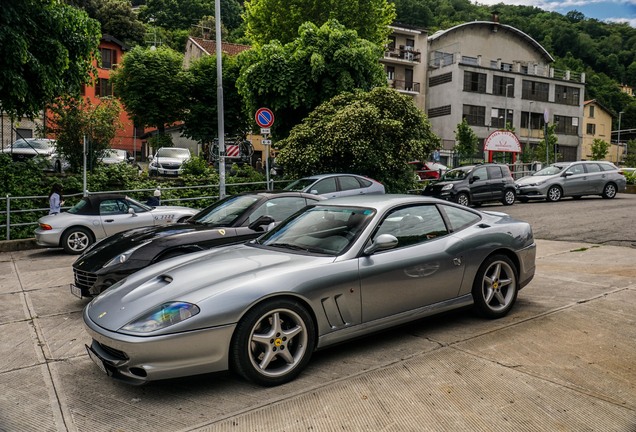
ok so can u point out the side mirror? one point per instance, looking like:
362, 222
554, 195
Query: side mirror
474, 179
131, 211
567, 173
150, 158
257, 225
313, 192
383, 242
131, 159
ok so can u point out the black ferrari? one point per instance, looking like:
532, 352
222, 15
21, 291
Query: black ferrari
234, 219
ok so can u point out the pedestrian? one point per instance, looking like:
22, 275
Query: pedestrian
56, 200
154, 200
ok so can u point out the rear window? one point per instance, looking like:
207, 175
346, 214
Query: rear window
348, 183
607, 167
459, 218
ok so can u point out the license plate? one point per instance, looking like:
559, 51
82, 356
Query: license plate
99, 362
76, 291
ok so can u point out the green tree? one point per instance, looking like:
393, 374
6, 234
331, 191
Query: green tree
599, 149
413, 12
540, 149
73, 119
201, 118
119, 20
465, 141
182, 14
371, 133
630, 157
269, 20
295, 78
47, 48
152, 86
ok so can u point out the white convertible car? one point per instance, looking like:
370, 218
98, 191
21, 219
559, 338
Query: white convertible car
95, 217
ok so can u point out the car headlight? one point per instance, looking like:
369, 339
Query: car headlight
122, 257
447, 187
163, 316
153, 164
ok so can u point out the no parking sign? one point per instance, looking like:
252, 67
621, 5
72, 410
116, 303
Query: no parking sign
264, 117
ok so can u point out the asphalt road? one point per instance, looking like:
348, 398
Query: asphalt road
589, 219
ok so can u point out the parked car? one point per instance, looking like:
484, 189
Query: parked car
168, 161
25, 149
574, 179
233, 219
339, 269
117, 156
428, 170
336, 185
475, 184
95, 217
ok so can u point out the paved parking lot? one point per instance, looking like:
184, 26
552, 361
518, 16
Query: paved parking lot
564, 359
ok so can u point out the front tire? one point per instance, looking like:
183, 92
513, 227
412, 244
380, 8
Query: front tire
273, 342
554, 194
76, 240
495, 287
509, 197
609, 191
462, 199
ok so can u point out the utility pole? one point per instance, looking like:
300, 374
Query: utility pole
506, 108
219, 97
618, 139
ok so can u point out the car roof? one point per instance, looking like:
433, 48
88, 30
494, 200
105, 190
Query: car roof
281, 192
321, 176
380, 202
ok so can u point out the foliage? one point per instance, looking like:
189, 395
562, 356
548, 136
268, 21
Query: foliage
295, 78
269, 20
465, 141
159, 140
539, 153
599, 149
119, 20
152, 86
181, 14
370, 133
73, 120
46, 49
197, 167
630, 157
201, 118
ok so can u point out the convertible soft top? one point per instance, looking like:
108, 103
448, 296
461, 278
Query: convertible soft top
91, 208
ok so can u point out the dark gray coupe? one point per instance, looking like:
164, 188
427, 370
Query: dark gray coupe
339, 269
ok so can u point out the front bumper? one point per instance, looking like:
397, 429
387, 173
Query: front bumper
532, 192
138, 360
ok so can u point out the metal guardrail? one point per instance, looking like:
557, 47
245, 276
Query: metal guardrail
8, 199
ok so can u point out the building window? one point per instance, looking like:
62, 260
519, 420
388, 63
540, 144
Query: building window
591, 129
592, 111
497, 117
566, 95
109, 58
566, 125
440, 79
536, 120
473, 61
391, 45
474, 82
474, 115
534, 90
390, 73
441, 59
506, 67
103, 88
439, 111
499, 84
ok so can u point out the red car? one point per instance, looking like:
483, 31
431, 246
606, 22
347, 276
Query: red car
428, 170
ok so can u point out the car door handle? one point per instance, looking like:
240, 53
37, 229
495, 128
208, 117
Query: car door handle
109, 220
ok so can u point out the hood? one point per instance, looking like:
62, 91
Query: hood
528, 180
194, 278
169, 160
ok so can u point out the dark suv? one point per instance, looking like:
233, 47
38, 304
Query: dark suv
474, 184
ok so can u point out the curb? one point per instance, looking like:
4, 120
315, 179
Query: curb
18, 245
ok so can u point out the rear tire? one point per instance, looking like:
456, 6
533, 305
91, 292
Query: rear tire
609, 191
495, 287
76, 240
509, 197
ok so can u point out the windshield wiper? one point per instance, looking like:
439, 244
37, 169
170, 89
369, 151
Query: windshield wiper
301, 248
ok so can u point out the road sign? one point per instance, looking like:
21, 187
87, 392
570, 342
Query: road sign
232, 151
264, 117
266, 142
265, 131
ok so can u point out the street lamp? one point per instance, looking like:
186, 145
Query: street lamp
529, 125
506, 108
618, 139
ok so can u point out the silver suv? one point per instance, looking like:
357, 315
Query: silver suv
573, 179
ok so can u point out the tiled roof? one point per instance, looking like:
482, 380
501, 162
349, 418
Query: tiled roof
209, 46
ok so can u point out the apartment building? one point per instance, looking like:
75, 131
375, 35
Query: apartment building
493, 74
597, 124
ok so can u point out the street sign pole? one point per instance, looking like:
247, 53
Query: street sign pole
265, 119
219, 97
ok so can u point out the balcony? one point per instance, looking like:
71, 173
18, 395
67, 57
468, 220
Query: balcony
405, 86
403, 54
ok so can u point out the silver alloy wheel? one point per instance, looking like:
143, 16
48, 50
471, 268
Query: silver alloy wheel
509, 197
77, 241
554, 194
462, 199
499, 286
609, 191
278, 342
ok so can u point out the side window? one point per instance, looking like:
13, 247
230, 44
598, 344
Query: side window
459, 218
278, 208
576, 169
413, 225
138, 209
481, 172
348, 183
607, 167
592, 168
112, 207
494, 172
325, 186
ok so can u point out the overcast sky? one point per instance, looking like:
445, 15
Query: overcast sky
603, 10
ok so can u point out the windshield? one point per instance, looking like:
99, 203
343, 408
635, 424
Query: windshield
300, 185
548, 171
321, 229
112, 153
173, 152
35, 144
457, 173
76, 209
226, 211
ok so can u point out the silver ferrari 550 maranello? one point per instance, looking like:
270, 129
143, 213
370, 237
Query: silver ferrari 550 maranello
336, 270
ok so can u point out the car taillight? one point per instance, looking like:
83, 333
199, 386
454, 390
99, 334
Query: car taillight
46, 226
